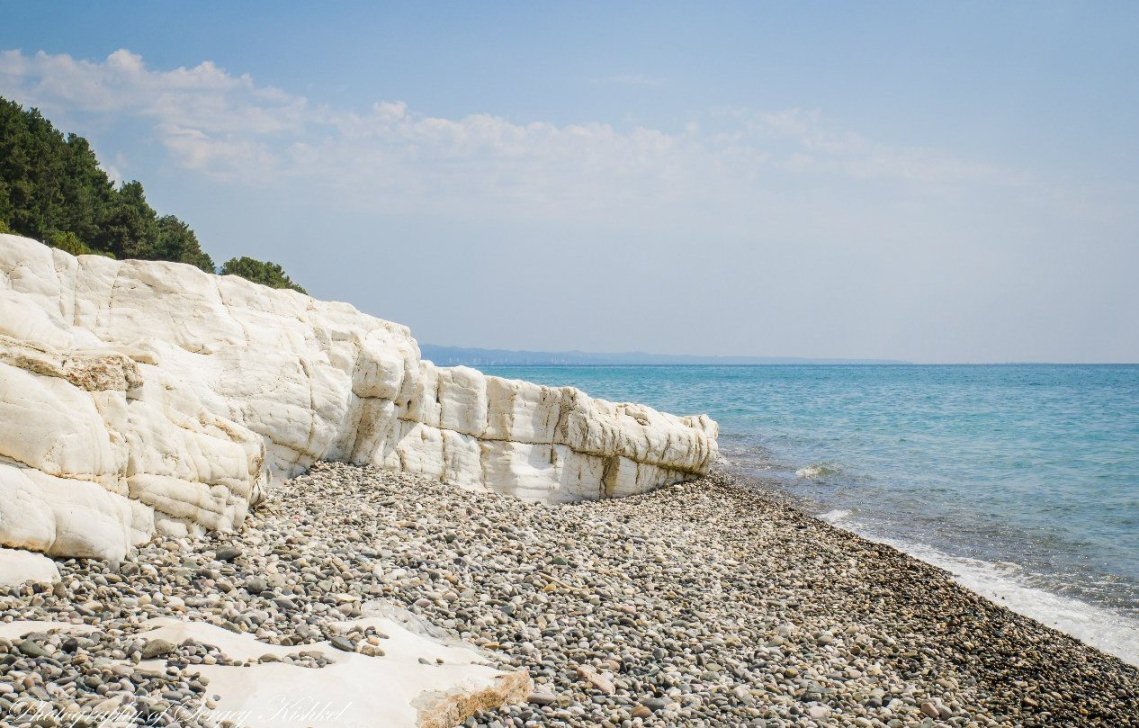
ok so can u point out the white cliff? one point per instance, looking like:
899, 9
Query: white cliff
141, 396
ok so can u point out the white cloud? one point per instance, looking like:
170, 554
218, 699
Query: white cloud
743, 230
204, 97
230, 128
821, 146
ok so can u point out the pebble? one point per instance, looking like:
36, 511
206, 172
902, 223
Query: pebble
818, 712
342, 643
702, 604
542, 698
227, 553
256, 585
157, 648
33, 649
598, 680
656, 704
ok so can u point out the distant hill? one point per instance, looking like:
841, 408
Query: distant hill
456, 356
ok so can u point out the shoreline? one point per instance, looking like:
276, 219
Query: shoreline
1096, 626
704, 603
1093, 624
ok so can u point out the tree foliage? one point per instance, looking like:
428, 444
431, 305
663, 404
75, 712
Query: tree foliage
53, 189
70, 243
176, 241
260, 271
130, 226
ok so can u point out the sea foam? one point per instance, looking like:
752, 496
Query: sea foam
1000, 583
816, 471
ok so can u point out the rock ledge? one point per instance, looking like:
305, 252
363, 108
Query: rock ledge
140, 397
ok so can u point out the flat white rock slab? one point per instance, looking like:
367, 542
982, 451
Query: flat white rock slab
356, 690
16, 630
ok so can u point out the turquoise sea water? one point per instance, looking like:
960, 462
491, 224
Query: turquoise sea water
1022, 480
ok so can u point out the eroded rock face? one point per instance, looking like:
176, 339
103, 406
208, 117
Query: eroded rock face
137, 396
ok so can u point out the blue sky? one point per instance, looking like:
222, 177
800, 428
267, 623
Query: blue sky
925, 181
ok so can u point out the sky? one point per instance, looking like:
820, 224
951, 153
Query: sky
932, 182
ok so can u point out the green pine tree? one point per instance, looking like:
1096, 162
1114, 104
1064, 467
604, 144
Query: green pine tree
53, 189
263, 272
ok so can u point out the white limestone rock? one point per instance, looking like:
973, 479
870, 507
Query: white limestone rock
139, 395
19, 567
419, 681
68, 517
398, 689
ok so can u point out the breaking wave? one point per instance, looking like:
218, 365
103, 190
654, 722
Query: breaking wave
812, 472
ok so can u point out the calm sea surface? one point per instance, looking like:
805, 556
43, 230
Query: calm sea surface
1021, 480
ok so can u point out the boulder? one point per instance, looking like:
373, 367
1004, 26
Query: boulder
19, 567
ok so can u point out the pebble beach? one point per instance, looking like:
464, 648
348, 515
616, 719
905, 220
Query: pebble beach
709, 603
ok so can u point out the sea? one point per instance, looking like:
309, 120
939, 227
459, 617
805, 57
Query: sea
1020, 480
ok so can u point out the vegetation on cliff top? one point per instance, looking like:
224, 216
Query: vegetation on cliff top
265, 272
53, 189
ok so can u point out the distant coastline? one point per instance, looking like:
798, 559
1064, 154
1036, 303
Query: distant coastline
450, 356
457, 355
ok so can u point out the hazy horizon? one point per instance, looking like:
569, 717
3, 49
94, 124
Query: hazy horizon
934, 183
790, 358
